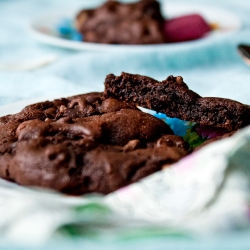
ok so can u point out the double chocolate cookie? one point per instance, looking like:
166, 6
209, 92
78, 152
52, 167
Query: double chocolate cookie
173, 98
122, 23
83, 144
100, 142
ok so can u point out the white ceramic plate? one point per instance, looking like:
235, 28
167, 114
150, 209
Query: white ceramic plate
43, 28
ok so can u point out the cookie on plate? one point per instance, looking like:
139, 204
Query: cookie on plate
122, 23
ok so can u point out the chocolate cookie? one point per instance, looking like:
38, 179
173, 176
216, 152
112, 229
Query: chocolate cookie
122, 23
84, 144
173, 98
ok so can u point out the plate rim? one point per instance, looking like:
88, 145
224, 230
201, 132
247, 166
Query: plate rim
76, 45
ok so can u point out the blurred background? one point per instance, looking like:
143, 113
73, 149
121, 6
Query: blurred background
210, 66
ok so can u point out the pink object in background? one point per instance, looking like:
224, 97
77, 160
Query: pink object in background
186, 28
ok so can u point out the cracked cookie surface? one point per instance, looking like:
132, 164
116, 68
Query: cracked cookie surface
85, 143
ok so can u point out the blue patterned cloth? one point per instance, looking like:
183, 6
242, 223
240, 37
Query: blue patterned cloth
211, 67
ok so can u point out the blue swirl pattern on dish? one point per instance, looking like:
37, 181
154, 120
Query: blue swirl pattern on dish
67, 30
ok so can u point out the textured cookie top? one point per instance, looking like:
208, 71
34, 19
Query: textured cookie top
122, 23
85, 144
173, 97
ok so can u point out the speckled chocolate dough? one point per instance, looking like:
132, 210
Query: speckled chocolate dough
122, 23
173, 97
85, 144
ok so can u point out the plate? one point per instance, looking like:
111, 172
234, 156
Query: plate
43, 28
